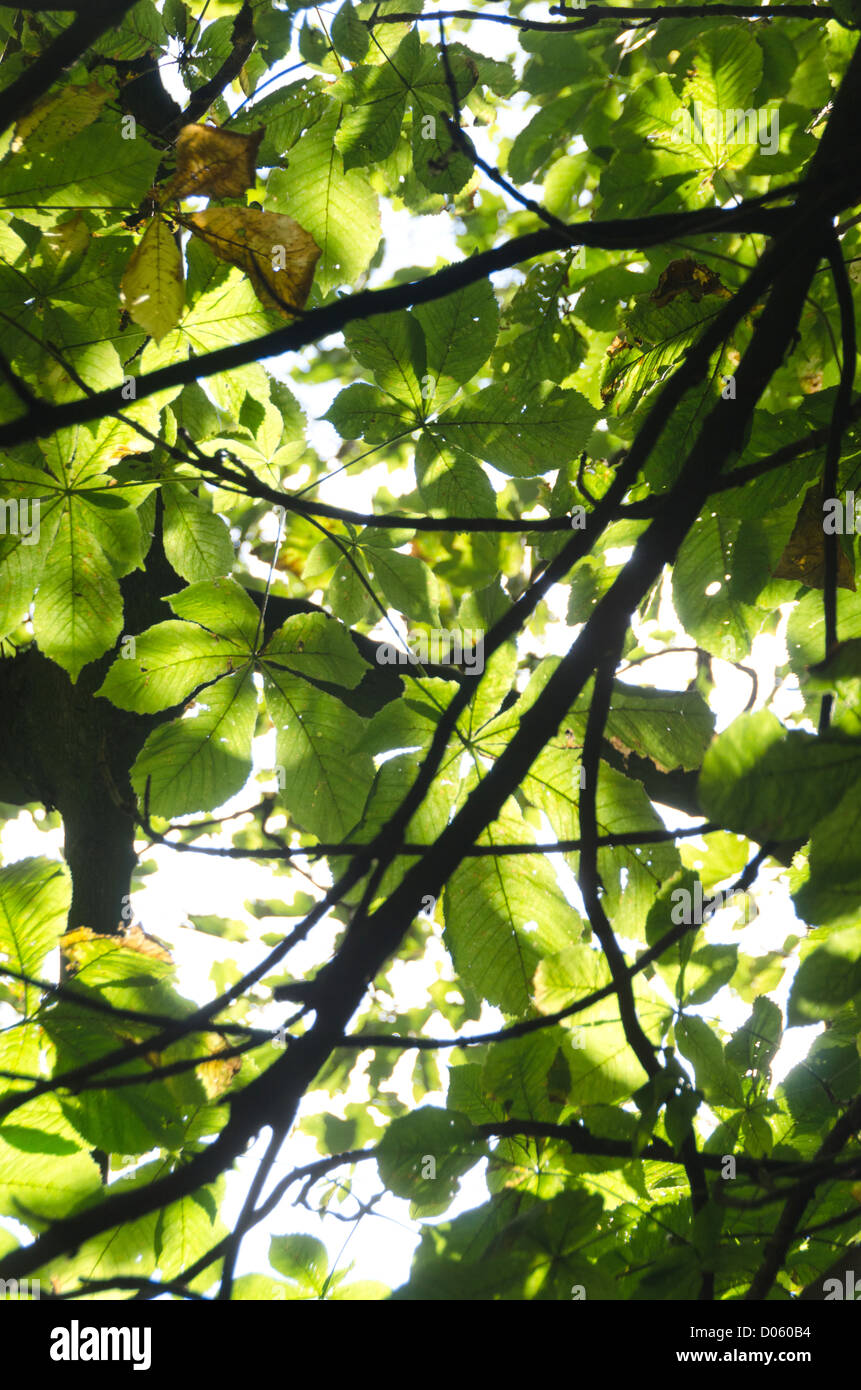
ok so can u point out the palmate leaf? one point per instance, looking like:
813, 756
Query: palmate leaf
202, 759
774, 785
59, 116
503, 915
831, 893
710, 590
392, 347
51, 1184
226, 312
316, 646
223, 607
672, 727
363, 411
521, 429
335, 206
375, 99
459, 332
326, 782
601, 1065
725, 65
652, 339
445, 1134
461, 407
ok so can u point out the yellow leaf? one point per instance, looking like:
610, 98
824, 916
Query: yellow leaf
804, 556
212, 162
69, 237
58, 117
152, 288
217, 1073
277, 255
77, 946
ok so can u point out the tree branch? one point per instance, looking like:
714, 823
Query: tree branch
624, 234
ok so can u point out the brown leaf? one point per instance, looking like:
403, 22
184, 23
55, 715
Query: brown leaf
277, 255
687, 274
804, 556
138, 940
214, 163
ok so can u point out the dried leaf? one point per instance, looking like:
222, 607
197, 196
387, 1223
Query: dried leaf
218, 1073
214, 163
804, 556
59, 116
152, 288
687, 274
138, 940
277, 255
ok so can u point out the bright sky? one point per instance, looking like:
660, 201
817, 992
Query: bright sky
381, 1244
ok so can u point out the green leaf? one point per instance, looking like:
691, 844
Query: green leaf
422, 1156
34, 900
601, 1065
672, 727
171, 660
832, 893
96, 168
200, 760
753, 1046
407, 583
224, 607
335, 205
828, 977
196, 542
392, 347
79, 608
349, 34
773, 785
317, 647
503, 915
520, 431
726, 65
363, 411
326, 782
460, 331
709, 588
303, 1259
716, 1079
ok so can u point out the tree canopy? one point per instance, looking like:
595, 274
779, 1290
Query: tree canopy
616, 401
